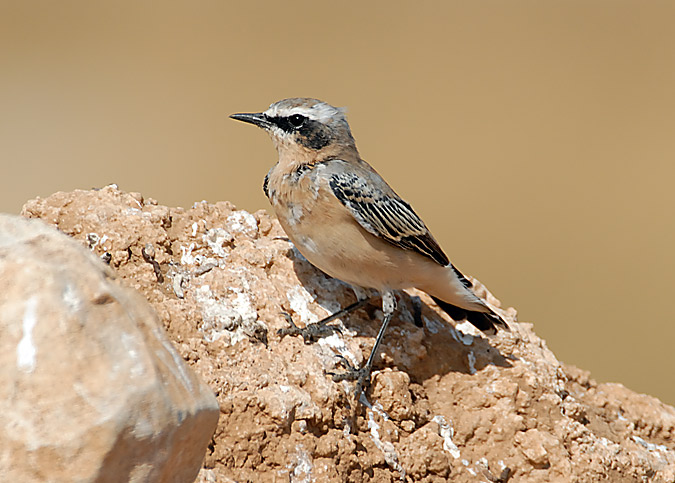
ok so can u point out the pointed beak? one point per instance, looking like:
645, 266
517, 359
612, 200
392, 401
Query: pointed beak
258, 118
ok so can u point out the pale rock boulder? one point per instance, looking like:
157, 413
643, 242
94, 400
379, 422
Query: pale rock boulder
91, 389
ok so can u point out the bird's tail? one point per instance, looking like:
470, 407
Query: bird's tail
485, 321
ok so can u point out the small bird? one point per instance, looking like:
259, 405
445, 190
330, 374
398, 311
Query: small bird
348, 222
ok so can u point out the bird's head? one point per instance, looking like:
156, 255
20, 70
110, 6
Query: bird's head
304, 126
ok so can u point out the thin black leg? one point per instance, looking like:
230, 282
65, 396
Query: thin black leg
313, 332
362, 375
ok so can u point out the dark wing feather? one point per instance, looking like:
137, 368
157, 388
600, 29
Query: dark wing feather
265, 183
386, 216
465, 281
485, 321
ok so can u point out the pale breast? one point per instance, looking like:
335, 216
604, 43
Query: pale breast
329, 237
292, 193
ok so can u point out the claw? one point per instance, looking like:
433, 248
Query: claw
341, 376
313, 332
345, 362
292, 330
361, 375
310, 333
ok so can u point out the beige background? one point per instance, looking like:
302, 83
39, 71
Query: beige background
535, 138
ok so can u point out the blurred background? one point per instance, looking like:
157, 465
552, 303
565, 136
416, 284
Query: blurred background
536, 139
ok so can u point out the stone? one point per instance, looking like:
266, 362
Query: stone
91, 388
446, 402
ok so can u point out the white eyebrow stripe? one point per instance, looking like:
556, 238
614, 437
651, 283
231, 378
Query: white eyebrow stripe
319, 112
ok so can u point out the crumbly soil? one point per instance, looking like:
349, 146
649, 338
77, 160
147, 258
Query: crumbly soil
446, 403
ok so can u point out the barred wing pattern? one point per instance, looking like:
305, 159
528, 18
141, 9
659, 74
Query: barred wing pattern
382, 213
386, 216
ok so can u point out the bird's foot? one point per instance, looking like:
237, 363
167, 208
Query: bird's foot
361, 375
310, 333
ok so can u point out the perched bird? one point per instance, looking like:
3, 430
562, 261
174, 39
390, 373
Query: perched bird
348, 222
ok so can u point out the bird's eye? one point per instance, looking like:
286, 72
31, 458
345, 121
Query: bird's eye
296, 120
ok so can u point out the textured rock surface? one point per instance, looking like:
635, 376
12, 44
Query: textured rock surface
446, 403
91, 388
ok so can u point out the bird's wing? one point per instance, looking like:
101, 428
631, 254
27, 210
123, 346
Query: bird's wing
382, 213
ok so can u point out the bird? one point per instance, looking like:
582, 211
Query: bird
345, 219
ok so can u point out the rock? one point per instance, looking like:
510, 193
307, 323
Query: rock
446, 402
536, 446
91, 388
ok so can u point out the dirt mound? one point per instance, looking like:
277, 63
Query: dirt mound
445, 403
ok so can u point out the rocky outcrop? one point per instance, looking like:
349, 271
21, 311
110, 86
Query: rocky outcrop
445, 403
91, 388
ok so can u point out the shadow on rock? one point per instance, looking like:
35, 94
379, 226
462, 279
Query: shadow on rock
419, 340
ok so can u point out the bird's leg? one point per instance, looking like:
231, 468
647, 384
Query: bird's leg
362, 375
417, 311
313, 332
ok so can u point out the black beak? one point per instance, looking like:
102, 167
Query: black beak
258, 118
